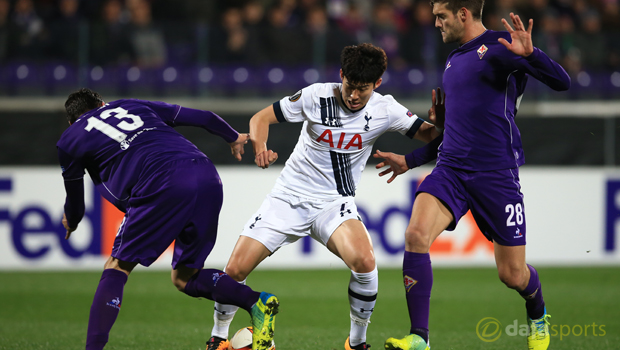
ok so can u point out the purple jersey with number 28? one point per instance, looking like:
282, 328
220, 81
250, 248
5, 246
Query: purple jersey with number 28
478, 160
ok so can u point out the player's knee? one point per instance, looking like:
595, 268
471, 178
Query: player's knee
512, 278
180, 285
181, 275
363, 264
120, 265
417, 239
236, 273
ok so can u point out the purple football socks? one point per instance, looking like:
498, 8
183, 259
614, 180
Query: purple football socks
418, 279
532, 294
218, 286
105, 308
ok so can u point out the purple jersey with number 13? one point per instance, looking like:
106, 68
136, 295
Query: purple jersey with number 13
126, 140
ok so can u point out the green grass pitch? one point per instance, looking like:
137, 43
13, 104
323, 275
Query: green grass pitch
49, 310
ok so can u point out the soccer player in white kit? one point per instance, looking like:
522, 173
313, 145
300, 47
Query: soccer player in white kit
314, 194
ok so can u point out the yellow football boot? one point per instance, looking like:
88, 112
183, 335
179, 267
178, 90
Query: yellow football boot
539, 337
410, 342
263, 321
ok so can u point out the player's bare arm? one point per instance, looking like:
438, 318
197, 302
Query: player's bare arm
259, 133
397, 163
427, 132
521, 38
236, 148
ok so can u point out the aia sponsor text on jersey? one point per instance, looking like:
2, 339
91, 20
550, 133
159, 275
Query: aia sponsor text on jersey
328, 138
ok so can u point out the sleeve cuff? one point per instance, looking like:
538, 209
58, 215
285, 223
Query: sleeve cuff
278, 110
534, 55
414, 128
231, 137
410, 159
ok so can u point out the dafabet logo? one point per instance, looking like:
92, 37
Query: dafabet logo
489, 329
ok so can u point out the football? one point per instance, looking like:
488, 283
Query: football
242, 340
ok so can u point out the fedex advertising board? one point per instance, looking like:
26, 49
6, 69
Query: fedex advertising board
573, 218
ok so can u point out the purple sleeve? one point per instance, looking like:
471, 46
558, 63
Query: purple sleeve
546, 70
210, 121
424, 154
73, 174
175, 115
165, 111
74, 203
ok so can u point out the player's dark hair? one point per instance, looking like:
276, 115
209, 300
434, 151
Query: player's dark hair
80, 102
363, 63
474, 6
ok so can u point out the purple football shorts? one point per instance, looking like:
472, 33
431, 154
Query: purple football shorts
494, 198
182, 202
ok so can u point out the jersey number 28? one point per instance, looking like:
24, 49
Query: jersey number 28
515, 213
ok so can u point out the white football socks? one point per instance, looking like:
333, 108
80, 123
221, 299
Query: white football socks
222, 317
363, 289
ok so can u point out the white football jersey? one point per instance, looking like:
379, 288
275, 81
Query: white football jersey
335, 143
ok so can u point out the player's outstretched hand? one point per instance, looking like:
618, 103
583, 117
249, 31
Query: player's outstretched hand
437, 112
397, 164
521, 38
65, 223
236, 148
265, 158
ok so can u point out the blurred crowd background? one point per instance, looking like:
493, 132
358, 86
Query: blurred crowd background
246, 47
236, 57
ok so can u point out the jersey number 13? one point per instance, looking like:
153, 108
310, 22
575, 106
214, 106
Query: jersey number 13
119, 113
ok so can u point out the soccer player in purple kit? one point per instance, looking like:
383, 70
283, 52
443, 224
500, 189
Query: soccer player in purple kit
169, 191
478, 161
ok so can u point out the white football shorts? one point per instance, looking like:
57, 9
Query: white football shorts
283, 219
